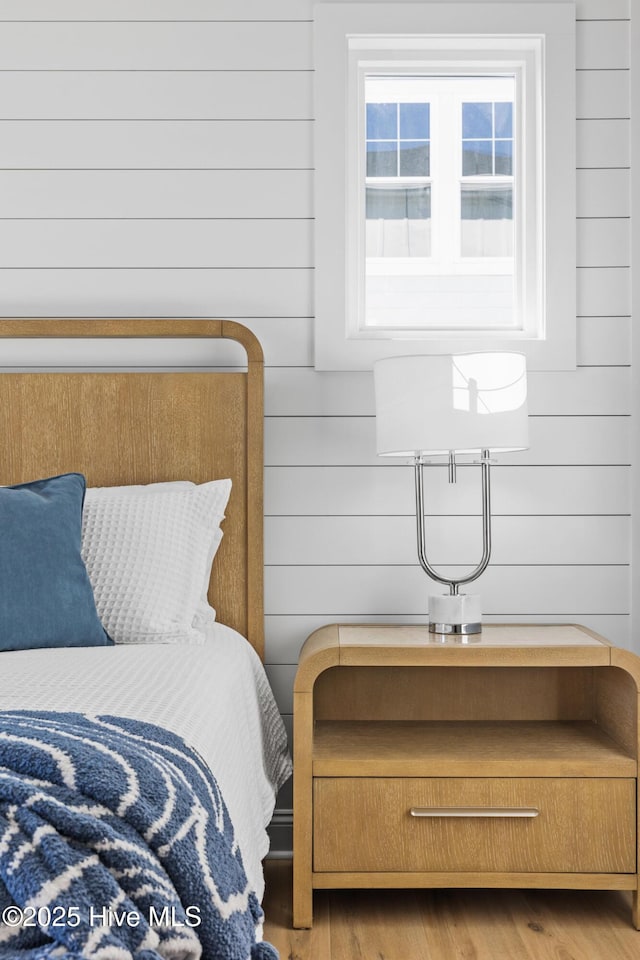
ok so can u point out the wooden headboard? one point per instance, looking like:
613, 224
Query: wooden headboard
126, 428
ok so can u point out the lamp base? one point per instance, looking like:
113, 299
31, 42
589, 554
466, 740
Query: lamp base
455, 615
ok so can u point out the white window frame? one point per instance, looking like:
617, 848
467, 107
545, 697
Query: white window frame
348, 37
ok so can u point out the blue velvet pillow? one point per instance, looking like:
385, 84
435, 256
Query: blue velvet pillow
46, 599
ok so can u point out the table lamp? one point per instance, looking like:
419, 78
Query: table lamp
450, 406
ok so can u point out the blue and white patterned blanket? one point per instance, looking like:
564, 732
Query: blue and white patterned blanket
115, 843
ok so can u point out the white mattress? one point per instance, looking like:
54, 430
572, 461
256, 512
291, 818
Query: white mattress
215, 696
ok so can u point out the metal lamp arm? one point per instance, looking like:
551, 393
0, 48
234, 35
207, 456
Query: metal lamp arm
454, 584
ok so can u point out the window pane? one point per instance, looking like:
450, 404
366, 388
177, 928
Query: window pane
477, 120
487, 221
476, 157
382, 121
504, 119
414, 159
414, 121
397, 203
398, 221
504, 150
487, 203
382, 159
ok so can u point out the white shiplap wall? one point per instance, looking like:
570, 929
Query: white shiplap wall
156, 158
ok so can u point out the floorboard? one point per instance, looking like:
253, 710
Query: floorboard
451, 924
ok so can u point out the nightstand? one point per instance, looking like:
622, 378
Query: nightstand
505, 760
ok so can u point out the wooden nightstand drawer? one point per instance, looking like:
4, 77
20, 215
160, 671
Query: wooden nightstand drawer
506, 824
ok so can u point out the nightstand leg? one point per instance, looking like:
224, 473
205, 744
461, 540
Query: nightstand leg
302, 809
302, 905
635, 909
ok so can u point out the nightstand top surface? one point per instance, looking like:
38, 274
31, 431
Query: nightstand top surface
499, 645
493, 635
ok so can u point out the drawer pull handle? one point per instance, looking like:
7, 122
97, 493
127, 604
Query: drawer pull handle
497, 812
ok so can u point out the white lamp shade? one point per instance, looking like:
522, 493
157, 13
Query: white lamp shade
434, 405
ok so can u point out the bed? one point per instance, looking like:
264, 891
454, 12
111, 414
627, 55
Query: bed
146, 444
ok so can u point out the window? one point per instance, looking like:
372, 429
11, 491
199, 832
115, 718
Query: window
438, 203
452, 230
398, 182
486, 183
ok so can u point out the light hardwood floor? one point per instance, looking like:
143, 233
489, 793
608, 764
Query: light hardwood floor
451, 924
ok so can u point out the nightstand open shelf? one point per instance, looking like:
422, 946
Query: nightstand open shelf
405, 748
507, 761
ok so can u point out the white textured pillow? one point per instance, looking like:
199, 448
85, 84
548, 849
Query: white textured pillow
148, 551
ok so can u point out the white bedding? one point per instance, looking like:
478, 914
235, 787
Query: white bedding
215, 696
